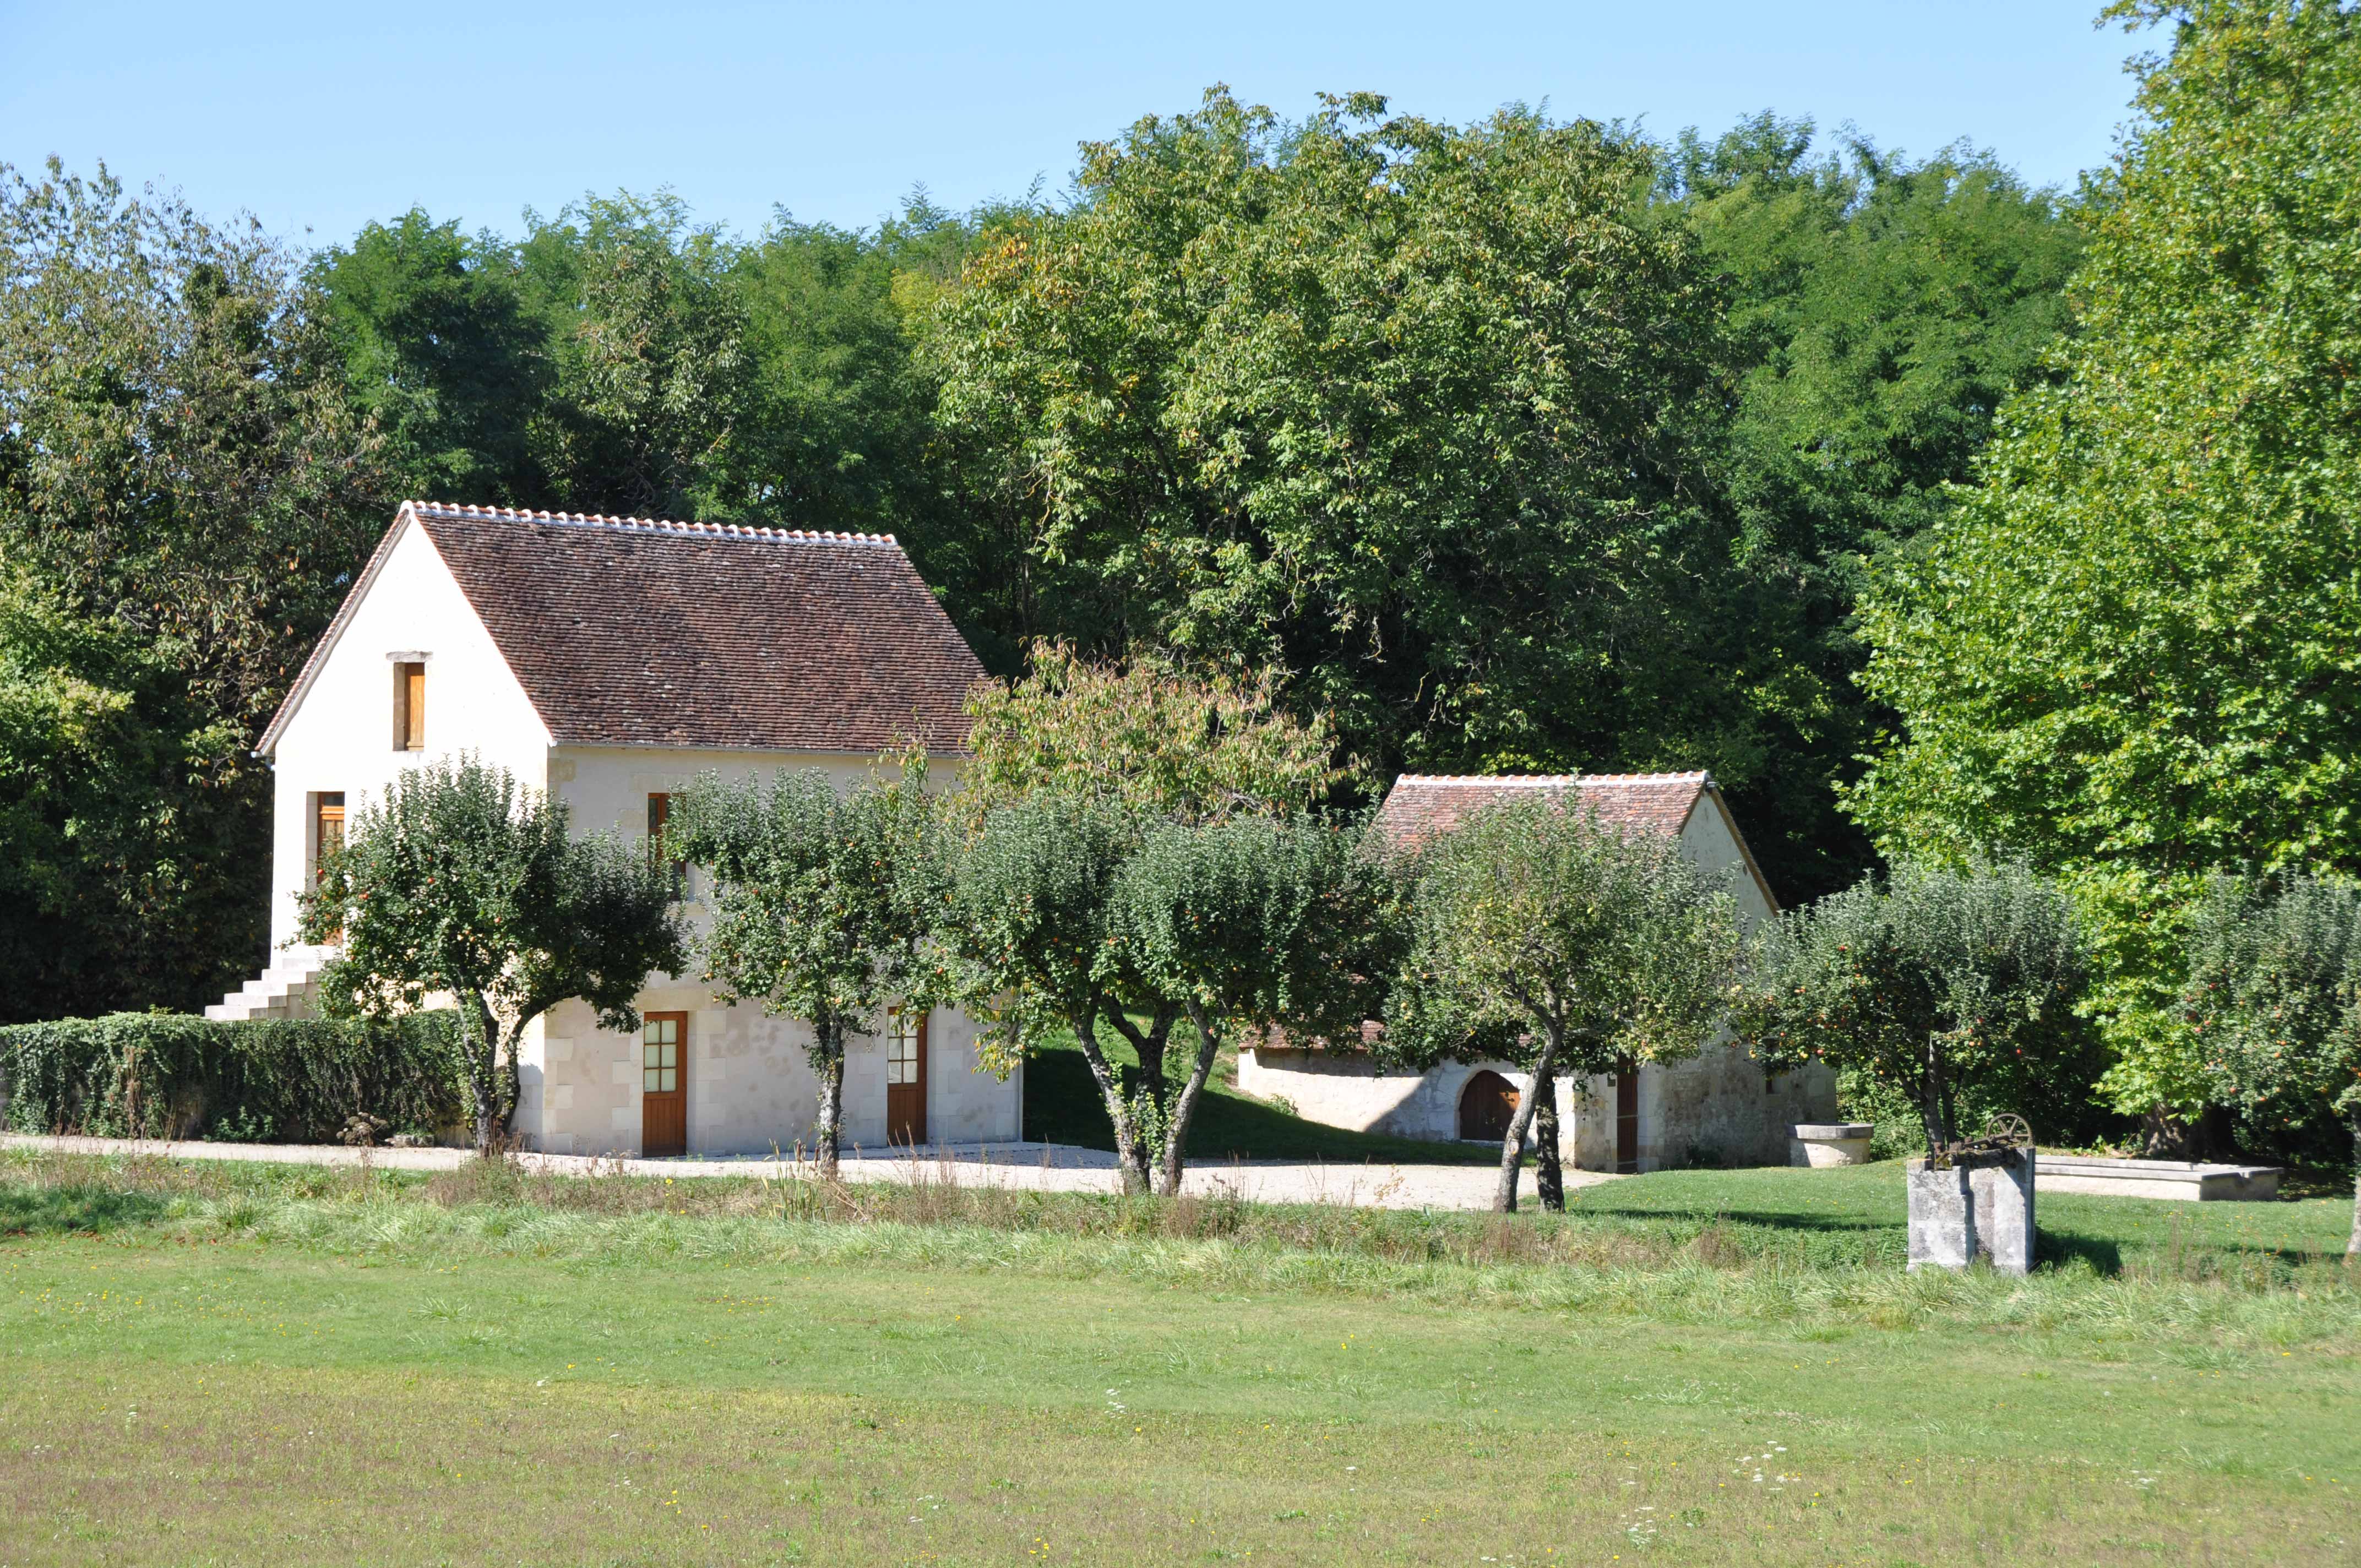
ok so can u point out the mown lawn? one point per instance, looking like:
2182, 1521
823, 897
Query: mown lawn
222, 1365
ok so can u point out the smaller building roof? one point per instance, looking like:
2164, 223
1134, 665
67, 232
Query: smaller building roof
1422, 806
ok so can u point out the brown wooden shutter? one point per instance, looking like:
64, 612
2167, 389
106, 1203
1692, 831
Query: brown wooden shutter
410, 707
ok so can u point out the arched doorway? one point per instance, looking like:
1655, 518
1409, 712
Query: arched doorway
1487, 1105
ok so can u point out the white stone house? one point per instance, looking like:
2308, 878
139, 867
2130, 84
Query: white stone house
1718, 1105
609, 661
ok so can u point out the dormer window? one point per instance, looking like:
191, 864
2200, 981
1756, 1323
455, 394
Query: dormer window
409, 704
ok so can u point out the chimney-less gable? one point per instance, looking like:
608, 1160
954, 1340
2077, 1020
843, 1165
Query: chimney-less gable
628, 631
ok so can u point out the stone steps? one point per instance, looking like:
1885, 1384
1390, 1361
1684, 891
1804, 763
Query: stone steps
286, 989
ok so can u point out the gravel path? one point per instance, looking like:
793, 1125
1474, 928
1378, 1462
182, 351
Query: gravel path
1051, 1167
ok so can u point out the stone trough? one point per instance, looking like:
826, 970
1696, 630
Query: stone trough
1830, 1143
2169, 1179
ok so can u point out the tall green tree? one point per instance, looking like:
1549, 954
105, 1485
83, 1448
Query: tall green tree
823, 902
442, 349
652, 378
460, 881
122, 862
1880, 308
1543, 937
2130, 653
182, 480
1412, 412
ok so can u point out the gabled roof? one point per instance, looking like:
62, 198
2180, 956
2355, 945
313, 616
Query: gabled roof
633, 632
1420, 807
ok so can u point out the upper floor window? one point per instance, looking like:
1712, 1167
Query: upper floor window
410, 705
659, 813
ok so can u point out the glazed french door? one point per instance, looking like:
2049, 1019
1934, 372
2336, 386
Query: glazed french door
905, 1077
327, 838
663, 1084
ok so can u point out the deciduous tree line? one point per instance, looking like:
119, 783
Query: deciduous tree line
1516, 443
1943, 520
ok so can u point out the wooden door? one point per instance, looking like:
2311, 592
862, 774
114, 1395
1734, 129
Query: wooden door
663, 1084
1627, 1117
905, 1077
1487, 1105
327, 829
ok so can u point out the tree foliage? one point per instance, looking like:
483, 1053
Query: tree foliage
1145, 733
1952, 988
1540, 935
1522, 444
460, 881
2130, 653
823, 902
1138, 850
1879, 308
1074, 912
1409, 412
2273, 1001
621, 357
183, 495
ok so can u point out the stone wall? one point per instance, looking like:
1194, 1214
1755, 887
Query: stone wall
751, 1087
1713, 1109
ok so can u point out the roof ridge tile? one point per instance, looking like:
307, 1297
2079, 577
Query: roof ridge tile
470, 510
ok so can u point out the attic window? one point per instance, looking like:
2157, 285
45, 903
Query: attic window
410, 705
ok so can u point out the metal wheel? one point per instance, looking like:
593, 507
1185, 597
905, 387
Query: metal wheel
2011, 1127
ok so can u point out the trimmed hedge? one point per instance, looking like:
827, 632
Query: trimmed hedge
164, 1075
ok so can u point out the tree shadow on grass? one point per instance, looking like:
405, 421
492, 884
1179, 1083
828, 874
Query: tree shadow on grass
1590, 1202
27, 1210
1062, 1106
2054, 1248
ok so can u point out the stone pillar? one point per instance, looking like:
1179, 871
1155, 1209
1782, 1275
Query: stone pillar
1958, 1213
2003, 1206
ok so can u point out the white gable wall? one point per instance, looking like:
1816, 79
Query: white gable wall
340, 736
1712, 844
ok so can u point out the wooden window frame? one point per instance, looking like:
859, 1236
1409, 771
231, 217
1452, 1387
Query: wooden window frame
327, 807
410, 705
659, 815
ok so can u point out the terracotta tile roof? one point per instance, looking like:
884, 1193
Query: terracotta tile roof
1421, 805
637, 631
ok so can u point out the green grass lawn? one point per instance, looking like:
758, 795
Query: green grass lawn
219, 1364
1062, 1106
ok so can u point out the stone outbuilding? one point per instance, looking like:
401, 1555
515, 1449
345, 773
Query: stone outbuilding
609, 661
1718, 1107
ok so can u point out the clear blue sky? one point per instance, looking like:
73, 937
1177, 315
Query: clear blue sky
321, 115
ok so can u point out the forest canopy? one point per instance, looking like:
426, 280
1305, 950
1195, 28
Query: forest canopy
1527, 443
